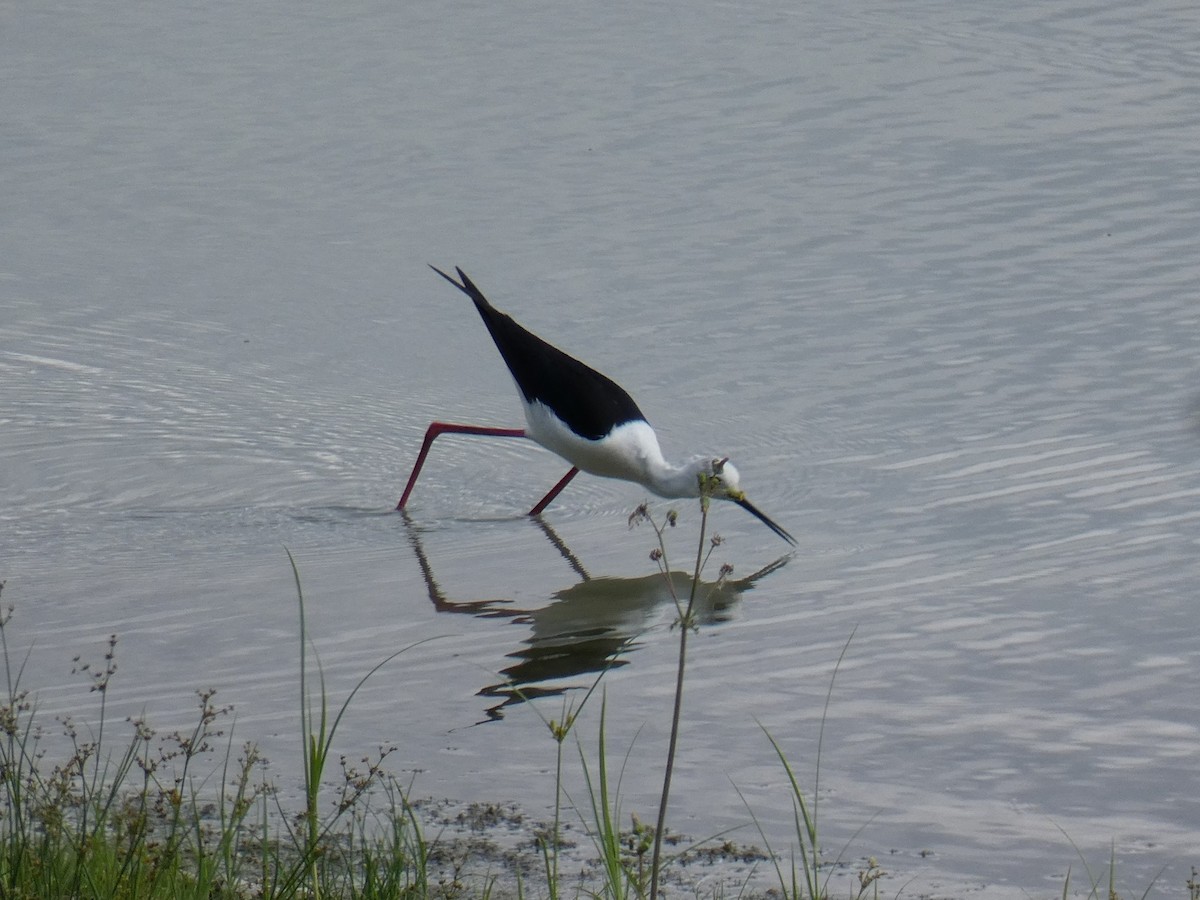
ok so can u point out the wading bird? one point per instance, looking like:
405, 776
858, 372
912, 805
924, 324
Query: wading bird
586, 418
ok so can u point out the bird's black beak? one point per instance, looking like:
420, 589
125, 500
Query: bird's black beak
762, 517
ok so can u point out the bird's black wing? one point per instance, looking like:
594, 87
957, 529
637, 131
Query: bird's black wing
591, 404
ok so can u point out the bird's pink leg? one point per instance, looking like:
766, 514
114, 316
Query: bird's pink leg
554, 491
436, 428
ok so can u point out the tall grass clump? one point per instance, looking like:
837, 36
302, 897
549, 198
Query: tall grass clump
806, 882
1102, 885
134, 813
114, 821
549, 843
604, 795
311, 836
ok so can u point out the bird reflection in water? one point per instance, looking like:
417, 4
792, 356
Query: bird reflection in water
585, 628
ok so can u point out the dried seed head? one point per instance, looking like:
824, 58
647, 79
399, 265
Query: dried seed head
639, 515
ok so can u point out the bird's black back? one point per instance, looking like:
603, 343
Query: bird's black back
591, 404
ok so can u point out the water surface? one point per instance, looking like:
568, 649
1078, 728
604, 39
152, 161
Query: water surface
926, 273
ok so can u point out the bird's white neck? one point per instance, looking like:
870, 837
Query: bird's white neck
672, 481
648, 467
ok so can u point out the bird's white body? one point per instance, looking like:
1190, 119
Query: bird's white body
629, 452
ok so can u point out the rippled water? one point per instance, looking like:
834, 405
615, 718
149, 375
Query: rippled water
927, 273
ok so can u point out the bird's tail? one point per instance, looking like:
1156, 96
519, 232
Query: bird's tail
467, 287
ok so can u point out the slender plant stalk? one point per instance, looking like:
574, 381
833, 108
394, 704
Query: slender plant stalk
310, 743
686, 623
660, 828
552, 850
606, 814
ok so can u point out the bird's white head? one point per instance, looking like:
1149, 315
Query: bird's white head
724, 483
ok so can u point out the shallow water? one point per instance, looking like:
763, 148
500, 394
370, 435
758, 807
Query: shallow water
927, 275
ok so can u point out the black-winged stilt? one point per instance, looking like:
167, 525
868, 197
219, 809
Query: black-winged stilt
586, 418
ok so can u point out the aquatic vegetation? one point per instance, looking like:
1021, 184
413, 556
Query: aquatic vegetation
129, 812
137, 815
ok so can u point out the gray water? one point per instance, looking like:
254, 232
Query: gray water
926, 272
